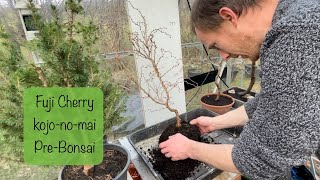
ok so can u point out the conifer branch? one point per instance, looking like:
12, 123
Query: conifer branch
4, 78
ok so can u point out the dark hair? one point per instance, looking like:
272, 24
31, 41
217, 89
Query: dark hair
205, 13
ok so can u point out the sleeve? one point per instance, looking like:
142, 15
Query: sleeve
251, 105
284, 128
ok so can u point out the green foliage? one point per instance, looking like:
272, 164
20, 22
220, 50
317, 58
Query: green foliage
15, 74
70, 60
67, 49
74, 6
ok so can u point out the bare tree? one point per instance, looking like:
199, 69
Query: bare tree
154, 84
111, 17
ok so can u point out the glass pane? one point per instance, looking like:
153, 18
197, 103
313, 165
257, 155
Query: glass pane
28, 22
240, 75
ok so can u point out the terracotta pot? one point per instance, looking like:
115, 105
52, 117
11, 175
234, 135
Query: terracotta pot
217, 109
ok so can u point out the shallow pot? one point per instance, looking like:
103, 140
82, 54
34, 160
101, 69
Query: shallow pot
123, 174
216, 108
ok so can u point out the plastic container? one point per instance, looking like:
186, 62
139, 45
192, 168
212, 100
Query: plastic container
239, 101
148, 138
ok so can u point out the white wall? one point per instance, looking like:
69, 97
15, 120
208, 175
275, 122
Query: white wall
160, 14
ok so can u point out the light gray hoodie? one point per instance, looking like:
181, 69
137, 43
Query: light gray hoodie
284, 125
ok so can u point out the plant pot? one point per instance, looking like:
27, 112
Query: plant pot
122, 175
239, 101
207, 103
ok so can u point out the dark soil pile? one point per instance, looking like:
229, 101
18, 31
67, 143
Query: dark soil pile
236, 96
112, 164
211, 99
175, 170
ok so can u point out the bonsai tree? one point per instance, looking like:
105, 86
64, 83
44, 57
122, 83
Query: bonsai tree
241, 94
147, 48
217, 102
252, 80
152, 82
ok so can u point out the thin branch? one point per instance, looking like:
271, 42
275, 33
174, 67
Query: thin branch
4, 78
252, 80
217, 79
144, 46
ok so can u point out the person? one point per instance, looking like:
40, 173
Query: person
282, 123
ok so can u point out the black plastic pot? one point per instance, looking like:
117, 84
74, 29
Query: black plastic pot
239, 101
123, 174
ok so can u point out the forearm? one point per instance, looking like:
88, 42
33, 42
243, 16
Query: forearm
237, 117
216, 155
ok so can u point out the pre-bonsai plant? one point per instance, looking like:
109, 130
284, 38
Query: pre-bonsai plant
217, 102
144, 46
70, 60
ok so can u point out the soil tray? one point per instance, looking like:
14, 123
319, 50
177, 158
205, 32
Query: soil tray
147, 138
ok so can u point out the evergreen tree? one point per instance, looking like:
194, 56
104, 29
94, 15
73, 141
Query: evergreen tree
66, 46
15, 74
